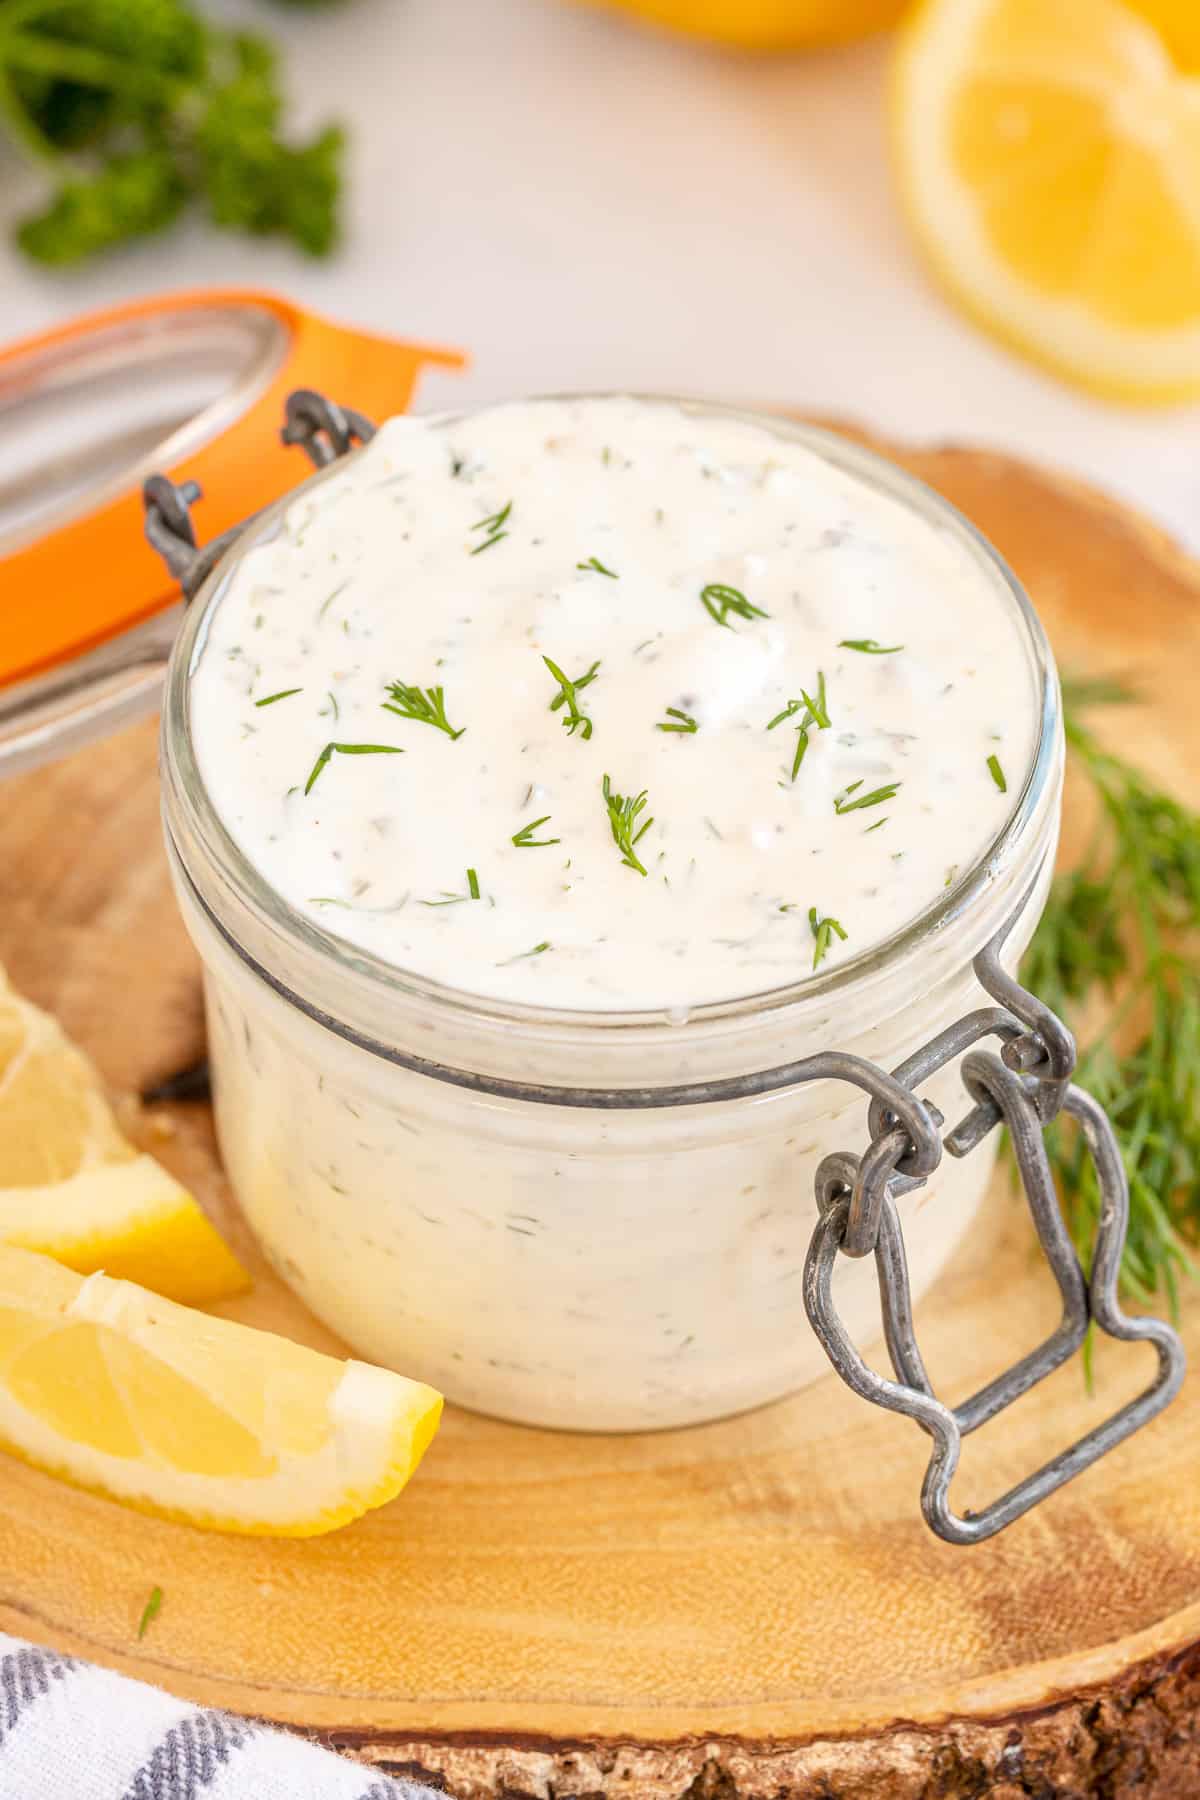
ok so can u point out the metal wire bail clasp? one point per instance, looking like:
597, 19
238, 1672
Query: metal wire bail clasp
321, 428
1025, 1087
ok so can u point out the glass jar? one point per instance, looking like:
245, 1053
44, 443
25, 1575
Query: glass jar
515, 1203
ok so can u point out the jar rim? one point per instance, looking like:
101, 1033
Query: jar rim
187, 802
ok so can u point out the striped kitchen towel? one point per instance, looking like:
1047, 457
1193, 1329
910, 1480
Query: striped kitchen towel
71, 1731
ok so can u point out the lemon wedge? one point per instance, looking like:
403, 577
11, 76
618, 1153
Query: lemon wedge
1049, 157
192, 1417
72, 1186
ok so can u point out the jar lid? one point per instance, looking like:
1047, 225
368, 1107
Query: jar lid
87, 612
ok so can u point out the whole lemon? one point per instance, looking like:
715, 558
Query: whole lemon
768, 24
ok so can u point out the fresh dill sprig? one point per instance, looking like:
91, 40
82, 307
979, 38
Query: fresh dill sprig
843, 804
1127, 922
817, 708
493, 525
869, 646
823, 931
525, 840
576, 719
473, 884
816, 712
348, 750
686, 722
150, 1612
623, 815
522, 955
997, 773
426, 705
594, 566
720, 600
283, 694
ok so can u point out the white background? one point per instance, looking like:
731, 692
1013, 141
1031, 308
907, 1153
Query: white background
582, 204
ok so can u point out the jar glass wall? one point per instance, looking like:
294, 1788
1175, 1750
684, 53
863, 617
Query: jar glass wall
603, 1263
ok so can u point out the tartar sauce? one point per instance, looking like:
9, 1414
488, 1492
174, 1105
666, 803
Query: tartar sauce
601, 705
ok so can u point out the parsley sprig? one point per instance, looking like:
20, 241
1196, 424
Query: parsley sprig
426, 705
1127, 921
133, 110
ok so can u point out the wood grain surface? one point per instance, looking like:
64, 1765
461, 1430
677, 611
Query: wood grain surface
752, 1607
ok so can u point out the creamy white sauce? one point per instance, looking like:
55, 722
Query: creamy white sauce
390, 573
588, 1267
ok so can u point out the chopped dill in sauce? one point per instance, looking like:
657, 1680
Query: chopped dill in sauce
348, 750
576, 719
493, 526
686, 722
599, 619
426, 705
525, 840
823, 932
623, 815
719, 600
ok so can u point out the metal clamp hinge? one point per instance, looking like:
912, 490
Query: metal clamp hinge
321, 428
1024, 1088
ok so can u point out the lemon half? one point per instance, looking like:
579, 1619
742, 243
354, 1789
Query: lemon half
1049, 158
768, 24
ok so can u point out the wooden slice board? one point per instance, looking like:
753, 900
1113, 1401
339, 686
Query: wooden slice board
749, 1608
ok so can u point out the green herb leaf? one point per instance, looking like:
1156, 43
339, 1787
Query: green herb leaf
594, 564
473, 884
1128, 920
623, 815
348, 750
869, 647
823, 931
686, 722
283, 694
524, 839
150, 1612
816, 713
137, 107
719, 601
567, 695
843, 803
426, 705
997, 773
522, 955
494, 528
